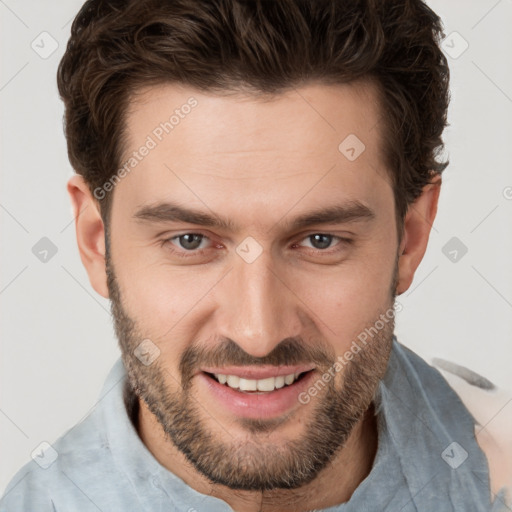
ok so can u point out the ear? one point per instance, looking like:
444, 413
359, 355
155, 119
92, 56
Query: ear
90, 233
417, 225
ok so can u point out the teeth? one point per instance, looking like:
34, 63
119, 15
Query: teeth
279, 382
233, 381
265, 385
247, 385
289, 379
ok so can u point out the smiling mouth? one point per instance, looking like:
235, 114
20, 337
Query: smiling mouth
257, 386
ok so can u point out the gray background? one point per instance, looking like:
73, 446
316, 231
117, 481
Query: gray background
57, 340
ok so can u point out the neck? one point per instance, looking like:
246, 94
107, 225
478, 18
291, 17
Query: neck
332, 486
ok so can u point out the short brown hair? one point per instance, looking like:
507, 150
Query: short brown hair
266, 46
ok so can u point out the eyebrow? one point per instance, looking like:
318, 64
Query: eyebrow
351, 211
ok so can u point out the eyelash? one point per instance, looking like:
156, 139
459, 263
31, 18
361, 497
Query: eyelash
199, 252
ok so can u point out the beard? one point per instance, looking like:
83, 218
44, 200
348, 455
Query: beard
254, 463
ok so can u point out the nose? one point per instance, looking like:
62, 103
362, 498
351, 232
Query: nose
257, 309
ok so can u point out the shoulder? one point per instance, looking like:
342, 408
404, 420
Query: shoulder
492, 410
49, 480
26, 492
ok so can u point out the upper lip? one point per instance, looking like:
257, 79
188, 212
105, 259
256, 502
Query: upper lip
259, 372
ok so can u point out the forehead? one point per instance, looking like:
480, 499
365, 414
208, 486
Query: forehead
234, 120
318, 141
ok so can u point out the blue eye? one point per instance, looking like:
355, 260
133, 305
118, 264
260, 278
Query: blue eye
321, 240
189, 241
190, 245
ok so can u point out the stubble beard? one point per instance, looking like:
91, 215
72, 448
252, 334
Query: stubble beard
253, 464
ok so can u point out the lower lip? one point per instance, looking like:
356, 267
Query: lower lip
256, 405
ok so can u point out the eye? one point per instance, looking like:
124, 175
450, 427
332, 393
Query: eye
322, 241
188, 241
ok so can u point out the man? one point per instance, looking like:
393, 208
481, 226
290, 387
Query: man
256, 183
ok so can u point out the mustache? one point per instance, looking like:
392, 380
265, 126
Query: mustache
289, 351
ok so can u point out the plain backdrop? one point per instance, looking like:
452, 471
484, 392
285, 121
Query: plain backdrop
57, 339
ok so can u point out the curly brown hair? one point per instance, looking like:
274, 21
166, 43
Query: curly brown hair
264, 46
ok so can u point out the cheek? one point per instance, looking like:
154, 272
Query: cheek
155, 294
348, 300
165, 302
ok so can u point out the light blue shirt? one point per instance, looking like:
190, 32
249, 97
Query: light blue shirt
427, 458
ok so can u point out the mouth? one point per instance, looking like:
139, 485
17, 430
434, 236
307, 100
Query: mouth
258, 386
267, 397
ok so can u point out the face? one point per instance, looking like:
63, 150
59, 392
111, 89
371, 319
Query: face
248, 256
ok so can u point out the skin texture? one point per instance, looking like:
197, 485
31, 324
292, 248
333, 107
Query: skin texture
260, 163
